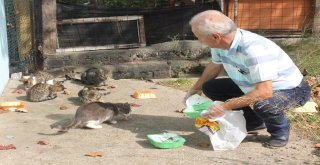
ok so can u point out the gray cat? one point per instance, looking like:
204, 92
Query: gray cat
93, 76
42, 92
92, 115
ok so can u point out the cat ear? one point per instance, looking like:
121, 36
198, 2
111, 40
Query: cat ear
116, 108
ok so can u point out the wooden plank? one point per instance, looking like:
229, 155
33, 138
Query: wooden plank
99, 19
141, 33
87, 48
49, 26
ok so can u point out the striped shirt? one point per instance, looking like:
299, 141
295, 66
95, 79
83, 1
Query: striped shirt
253, 58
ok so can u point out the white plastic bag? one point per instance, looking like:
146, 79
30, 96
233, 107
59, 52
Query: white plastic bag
225, 132
231, 132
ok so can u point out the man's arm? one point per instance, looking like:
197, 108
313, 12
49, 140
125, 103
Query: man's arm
262, 91
211, 71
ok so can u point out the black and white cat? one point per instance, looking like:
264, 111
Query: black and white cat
93, 114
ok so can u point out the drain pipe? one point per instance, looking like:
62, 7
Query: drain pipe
222, 7
235, 12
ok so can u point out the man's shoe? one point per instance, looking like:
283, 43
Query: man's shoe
277, 142
255, 128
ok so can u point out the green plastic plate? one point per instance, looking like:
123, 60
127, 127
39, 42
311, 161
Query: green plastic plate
166, 140
195, 110
202, 106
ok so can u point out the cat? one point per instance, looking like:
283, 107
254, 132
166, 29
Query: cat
92, 115
89, 94
38, 77
42, 92
93, 76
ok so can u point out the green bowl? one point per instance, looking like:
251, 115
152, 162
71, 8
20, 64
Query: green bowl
202, 106
196, 110
165, 141
189, 111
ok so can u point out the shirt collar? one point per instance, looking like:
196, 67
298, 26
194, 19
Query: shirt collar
235, 43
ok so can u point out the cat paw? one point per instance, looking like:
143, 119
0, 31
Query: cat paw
113, 122
93, 126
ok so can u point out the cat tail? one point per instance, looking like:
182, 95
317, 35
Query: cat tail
66, 129
73, 79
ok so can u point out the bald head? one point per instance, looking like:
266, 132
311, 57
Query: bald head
212, 21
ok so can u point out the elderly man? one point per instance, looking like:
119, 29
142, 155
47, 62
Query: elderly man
263, 80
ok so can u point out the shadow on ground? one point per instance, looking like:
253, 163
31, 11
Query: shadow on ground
141, 125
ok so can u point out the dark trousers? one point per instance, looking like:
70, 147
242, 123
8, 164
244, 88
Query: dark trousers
269, 111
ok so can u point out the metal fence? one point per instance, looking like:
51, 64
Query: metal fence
19, 17
273, 18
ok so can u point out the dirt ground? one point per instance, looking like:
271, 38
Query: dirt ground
126, 141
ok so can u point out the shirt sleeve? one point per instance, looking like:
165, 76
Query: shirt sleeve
216, 56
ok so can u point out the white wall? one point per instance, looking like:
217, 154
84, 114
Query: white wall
4, 57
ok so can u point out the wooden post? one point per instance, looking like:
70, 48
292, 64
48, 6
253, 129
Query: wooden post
316, 22
49, 26
142, 37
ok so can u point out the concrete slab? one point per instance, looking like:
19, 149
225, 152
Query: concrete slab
126, 142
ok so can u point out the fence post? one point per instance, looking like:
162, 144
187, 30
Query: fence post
49, 26
316, 23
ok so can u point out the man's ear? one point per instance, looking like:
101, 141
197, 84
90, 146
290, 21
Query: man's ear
216, 36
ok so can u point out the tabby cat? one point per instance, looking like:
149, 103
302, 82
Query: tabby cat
93, 76
89, 94
41, 92
38, 77
92, 115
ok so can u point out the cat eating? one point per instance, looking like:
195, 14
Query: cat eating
89, 94
93, 76
42, 92
92, 115
38, 77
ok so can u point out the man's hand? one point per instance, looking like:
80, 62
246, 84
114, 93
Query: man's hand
213, 112
190, 93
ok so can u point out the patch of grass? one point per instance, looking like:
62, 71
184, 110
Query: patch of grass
306, 124
306, 54
180, 83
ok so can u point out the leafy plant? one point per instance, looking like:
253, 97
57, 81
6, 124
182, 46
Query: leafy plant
180, 83
114, 3
175, 42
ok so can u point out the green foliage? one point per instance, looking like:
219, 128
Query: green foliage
306, 54
175, 42
125, 3
115, 3
180, 83
73, 1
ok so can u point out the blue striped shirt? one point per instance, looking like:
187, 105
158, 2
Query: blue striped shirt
253, 58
